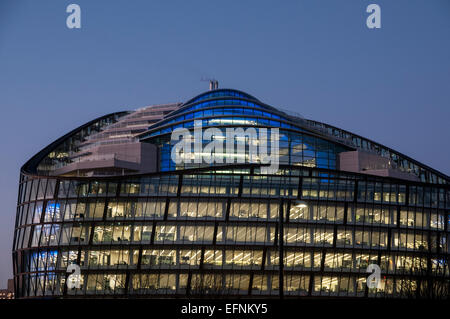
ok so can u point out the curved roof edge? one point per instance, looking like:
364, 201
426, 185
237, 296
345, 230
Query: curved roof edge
251, 97
182, 110
294, 119
435, 171
31, 165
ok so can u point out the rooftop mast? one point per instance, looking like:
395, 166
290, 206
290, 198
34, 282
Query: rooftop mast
213, 83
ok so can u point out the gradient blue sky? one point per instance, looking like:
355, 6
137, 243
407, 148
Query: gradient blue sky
313, 57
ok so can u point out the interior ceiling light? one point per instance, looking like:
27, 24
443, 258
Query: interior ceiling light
300, 204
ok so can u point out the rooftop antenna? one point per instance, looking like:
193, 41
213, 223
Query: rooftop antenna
213, 83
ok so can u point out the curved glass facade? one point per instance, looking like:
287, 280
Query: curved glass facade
309, 230
220, 93
243, 107
297, 145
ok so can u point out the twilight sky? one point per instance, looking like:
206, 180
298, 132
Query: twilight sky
317, 58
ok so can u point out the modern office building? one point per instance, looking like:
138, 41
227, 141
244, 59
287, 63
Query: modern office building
110, 198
